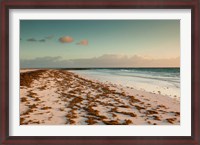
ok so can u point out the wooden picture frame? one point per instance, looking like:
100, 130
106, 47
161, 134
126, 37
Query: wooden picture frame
6, 5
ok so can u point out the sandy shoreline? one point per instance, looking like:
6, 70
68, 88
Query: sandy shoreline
61, 97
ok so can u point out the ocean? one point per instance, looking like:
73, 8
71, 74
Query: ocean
165, 81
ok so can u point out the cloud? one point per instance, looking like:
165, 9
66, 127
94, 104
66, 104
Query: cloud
108, 60
41, 62
83, 42
35, 40
49, 37
31, 40
66, 39
42, 40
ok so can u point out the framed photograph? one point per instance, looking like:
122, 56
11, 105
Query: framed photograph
100, 72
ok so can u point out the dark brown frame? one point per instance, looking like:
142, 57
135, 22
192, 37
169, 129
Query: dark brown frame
100, 4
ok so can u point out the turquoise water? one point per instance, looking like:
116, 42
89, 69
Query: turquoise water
166, 80
165, 74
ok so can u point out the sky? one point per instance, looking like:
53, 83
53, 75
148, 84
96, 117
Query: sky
99, 43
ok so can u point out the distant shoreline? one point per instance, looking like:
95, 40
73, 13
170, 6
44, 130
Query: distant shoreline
88, 68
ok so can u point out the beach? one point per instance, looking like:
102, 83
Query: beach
73, 97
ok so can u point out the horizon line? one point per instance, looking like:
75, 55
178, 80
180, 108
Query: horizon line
101, 68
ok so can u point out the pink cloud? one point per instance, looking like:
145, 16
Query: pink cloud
83, 42
66, 39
